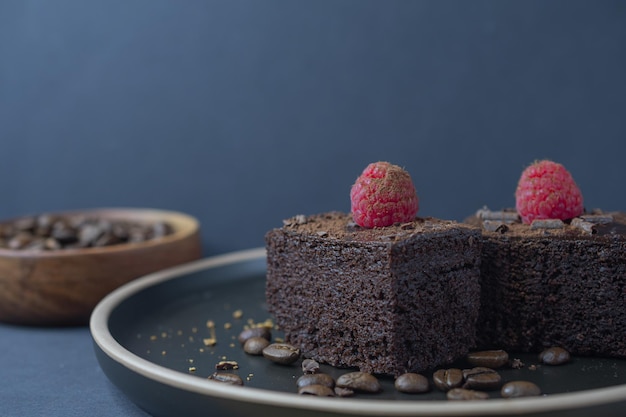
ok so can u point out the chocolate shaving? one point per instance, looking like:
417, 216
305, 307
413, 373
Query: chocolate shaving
495, 226
585, 226
295, 220
597, 218
502, 215
547, 224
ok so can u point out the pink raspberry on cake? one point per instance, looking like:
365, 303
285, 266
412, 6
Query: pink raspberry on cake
546, 190
383, 195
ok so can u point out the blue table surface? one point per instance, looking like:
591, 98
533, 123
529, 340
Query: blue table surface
54, 372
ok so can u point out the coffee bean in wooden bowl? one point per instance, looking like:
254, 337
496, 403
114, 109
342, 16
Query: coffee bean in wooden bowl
55, 267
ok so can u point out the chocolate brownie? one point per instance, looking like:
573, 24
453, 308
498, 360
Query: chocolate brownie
385, 300
553, 283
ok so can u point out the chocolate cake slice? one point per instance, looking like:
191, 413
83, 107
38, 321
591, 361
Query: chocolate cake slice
553, 283
385, 300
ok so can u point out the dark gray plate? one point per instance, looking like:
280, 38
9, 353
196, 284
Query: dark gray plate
149, 338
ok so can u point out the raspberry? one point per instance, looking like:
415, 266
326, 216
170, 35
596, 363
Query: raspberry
383, 195
546, 190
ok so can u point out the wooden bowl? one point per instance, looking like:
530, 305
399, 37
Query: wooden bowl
62, 286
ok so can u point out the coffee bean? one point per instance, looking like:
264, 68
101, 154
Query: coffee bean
412, 383
481, 378
255, 345
281, 353
20, 240
226, 378
317, 390
310, 366
343, 392
261, 331
446, 379
515, 389
315, 379
493, 359
462, 394
554, 356
359, 381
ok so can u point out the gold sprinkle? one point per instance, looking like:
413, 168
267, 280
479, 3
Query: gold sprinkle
191, 339
209, 341
153, 337
232, 345
180, 332
163, 335
163, 353
224, 364
194, 330
192, 369
190, 360
237, 314
227, 326
201, 350
212, 340
279, 340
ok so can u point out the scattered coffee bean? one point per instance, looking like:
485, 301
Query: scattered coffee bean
493, 359
412, 383
462, 394
343, 392
255, 345
481, 378
226, 378
446, 379
310, 366
260, 331
281, 353
554, 356
315, 379
359, 381
225, 365
317, 390
515, 389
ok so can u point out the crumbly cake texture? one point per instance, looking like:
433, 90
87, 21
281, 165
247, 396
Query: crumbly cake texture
385, 300
553, 283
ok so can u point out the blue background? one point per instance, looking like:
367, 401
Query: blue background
243, 113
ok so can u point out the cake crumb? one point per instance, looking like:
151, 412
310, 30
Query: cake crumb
517, 363
237, 314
